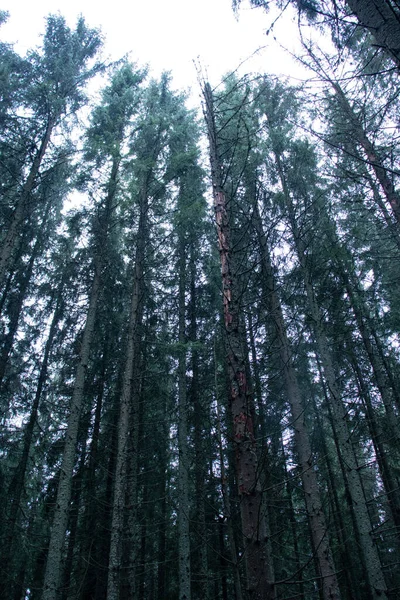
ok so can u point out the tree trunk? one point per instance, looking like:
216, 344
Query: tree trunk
129, 382
16, 487
362, 138
18, 303
377, 436
52, 576
89, 551
373, 570
253, 523
225, 496
53, 566
20, 212
378, 370
313, 502
197, 401
183, 466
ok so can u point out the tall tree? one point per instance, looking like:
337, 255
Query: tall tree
253, 520
56, 81
119, 102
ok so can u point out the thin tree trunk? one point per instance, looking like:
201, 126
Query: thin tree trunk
264, 466
16, 487
183, 467
132, 356
373, 570
293, 526
385, 470
20, 212
92, 515
225, 495
373, 356
197, 401
17, 305
68, 587
53, 566
315, 513
136, 424
54, 558
162, 532
345, 549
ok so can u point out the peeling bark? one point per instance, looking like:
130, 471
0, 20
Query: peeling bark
252, 517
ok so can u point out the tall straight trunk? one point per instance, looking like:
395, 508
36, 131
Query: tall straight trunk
390, 220
257, 384
132, 534
225, 496
143, 573
69, 581
102, 552
21, 209
294, 528
16, 487
128, 384
319, 531
59, 526
183, 466
197, 401
373, 570
250, 493
91, 515
264, 462
387, 393
18, 303
163, 491
346, 551
54, 558
377, 437
382, 19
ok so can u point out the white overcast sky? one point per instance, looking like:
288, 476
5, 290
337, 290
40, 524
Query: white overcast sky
166, 34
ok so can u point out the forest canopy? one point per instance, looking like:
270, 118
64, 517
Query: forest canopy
200, 322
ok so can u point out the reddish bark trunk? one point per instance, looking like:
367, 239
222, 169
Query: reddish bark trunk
253, 523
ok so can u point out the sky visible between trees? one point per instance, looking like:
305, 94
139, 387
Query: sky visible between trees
169, 35
200, 309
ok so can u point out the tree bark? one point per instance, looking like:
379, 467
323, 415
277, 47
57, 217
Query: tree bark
16, 487
197, 401
373, 569
250, 494
20, 211
377, 436
129, 381
53, 566
225, 495
183, 466
313, 502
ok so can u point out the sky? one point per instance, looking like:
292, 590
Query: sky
167, 34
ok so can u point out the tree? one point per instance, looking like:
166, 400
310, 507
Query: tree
119, 102
253, 524
55, 89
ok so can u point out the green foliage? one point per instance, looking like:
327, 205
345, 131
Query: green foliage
328, 228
